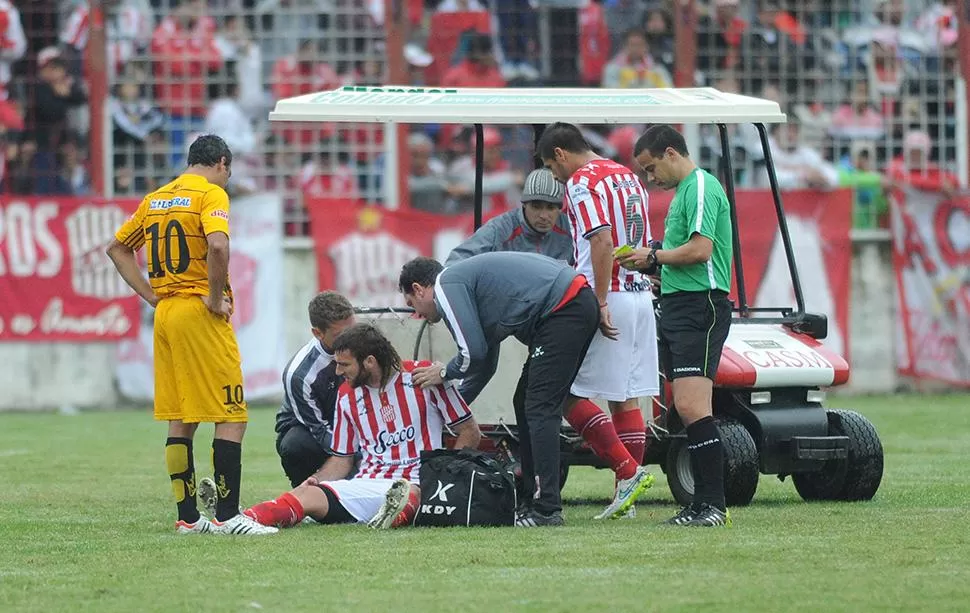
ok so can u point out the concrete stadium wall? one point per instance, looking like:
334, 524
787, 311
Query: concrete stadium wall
65, 376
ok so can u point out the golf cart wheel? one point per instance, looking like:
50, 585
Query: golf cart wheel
854, 478
740, 466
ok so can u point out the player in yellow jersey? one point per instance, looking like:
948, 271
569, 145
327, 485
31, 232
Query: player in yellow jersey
184, 227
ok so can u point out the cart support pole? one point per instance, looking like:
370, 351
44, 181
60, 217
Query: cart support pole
537, 130
782, 222
735, 230
479, 172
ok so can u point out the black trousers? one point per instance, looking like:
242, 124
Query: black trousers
555, 355
300, 453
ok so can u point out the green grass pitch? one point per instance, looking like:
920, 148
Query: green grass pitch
86, 525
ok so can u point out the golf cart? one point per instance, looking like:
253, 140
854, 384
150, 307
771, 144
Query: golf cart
770, 383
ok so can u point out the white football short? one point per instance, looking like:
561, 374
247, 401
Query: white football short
627, 367
361, 497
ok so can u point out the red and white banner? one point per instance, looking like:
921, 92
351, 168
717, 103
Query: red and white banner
360, 250
56, 283
255, 272
931, 258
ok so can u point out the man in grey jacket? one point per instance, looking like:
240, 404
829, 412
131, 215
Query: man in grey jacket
538, 226
547, 306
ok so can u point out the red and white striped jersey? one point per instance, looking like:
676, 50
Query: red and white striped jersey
606, 196
393, 425
127, 31
13, 43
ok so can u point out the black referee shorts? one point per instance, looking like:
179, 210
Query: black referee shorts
693, 327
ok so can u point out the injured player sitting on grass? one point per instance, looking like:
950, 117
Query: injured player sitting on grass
391, 421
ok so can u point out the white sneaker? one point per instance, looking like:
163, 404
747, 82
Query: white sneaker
394, 502
627, 492
631, 513
201, 526
242, 525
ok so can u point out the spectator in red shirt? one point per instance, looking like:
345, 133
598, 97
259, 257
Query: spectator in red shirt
857, 118
501, 184
479, 69
304, 72
594, 43
185, 53
127, 32
915, 168
325, 175
13, 45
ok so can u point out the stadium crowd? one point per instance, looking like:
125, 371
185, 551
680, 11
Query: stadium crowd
870, 87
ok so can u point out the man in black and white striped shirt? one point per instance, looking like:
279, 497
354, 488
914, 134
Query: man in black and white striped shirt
304, 424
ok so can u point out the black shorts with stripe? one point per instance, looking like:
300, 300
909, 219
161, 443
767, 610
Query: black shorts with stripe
692, 329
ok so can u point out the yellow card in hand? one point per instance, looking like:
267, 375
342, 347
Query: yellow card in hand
622, 250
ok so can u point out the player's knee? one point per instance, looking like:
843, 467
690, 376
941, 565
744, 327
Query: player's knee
301, 490
625, 406
692, 398
313, 498
231, 431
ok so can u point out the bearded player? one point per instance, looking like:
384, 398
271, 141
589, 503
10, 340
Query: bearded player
391, 421
607, 209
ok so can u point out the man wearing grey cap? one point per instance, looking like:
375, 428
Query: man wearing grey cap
537, 227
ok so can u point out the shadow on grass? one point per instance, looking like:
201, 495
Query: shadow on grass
667, 502
598, 500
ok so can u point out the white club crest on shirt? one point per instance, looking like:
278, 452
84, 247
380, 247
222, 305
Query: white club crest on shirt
387, 412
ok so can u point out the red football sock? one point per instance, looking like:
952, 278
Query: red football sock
596, 429
285, 511
406, 516
632, 432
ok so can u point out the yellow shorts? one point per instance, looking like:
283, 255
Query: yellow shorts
198, 371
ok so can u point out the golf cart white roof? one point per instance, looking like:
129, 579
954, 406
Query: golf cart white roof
393, 104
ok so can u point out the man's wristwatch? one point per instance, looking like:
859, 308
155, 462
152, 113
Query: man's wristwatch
443, 373
651, 262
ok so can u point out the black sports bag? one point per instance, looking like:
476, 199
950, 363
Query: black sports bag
465, 487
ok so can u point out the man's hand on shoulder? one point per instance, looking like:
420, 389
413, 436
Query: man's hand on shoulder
428, 376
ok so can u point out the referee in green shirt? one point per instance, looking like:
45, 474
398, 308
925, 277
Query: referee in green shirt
695, 313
